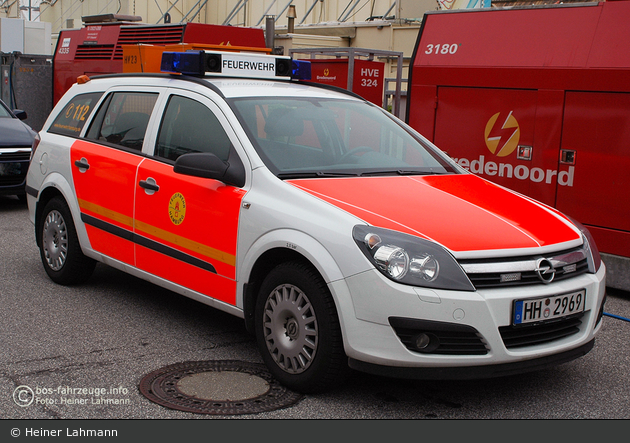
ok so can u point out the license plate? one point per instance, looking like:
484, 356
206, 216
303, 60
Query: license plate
548, 308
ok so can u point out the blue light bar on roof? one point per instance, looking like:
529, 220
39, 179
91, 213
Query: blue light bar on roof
183, 62
301, 70
235, 64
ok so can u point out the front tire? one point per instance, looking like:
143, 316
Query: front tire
59, 246
297, 329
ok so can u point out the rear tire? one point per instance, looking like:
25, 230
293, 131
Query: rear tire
59, 246
297, 329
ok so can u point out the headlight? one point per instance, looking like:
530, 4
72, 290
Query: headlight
594, 259
411, 260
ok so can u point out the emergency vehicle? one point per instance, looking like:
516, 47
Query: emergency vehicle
536, 99
341, 236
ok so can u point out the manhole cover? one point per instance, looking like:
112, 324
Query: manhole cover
221, 387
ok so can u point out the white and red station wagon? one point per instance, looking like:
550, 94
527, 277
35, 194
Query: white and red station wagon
342, 237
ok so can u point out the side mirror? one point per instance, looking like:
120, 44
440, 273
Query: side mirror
20, 114
207, 165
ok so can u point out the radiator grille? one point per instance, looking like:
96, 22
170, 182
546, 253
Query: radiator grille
19, 156
518, 271
493, 279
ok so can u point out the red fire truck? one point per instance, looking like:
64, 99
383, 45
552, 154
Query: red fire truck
536, 99
97, 47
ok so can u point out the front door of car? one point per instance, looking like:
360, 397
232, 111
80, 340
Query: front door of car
104, 166
186, 227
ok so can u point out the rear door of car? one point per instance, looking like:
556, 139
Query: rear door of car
104, 165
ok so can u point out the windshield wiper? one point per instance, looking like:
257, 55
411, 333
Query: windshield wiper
402, 172
315, 174
318, 174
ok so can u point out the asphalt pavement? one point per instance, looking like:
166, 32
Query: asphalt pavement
75, 347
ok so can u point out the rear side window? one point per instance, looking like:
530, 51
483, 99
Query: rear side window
72, 118
123, 119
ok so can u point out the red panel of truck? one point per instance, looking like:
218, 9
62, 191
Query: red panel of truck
536, 99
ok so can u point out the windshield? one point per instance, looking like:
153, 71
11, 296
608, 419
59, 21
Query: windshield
309, 137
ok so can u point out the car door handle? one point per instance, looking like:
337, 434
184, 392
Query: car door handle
82, 164
149, 185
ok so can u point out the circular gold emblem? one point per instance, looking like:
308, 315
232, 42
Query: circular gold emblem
502, 138
177, 208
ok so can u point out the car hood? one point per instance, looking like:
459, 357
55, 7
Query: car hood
15, 133
462, 212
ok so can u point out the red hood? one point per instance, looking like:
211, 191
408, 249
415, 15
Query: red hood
460, 212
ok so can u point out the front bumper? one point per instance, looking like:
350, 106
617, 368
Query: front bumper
374, 345
473, 372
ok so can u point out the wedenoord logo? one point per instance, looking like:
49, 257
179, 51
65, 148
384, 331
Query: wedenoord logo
502, 136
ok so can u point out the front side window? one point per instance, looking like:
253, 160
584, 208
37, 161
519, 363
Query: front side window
123, 119
312, 137
190, 126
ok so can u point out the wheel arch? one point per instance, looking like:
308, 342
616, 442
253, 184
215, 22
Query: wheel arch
265, 263
55, 185
50, 189
278, 247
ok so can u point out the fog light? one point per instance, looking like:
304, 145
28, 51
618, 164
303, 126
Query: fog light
425, 342
422, 341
